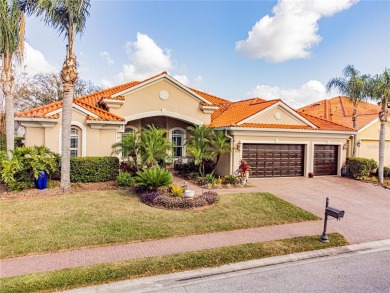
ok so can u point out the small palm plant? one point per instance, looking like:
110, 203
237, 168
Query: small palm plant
155, 146
128, 147
154, 178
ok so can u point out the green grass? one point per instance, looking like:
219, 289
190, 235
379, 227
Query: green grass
104, 273
96, 218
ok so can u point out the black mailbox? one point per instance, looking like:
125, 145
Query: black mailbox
335, 213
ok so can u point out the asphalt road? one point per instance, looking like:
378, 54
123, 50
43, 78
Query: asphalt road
362, 272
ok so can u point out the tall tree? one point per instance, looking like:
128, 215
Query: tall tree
69, 18
379, 89
42, 89
354, 86
11, 48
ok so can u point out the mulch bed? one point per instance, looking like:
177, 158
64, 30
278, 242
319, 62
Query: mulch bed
57, 190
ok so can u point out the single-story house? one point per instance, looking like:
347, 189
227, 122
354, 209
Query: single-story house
339, 110
272, 137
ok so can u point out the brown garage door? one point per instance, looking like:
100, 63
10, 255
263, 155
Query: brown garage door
325, 159
274, 160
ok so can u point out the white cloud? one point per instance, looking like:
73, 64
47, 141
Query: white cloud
292, 31
308, 93
106, 56
182, 78
146, 57
35, 62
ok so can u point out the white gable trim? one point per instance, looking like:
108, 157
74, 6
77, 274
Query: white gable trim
79, 109
369, 124
284, 107
163, 112
170, 79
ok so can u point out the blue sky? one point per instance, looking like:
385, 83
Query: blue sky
294, 49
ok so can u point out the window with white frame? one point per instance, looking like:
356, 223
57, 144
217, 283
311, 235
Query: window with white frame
74, 142
178, 137
128, 130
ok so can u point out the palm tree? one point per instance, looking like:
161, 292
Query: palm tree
128, 146
11, 48
68, 17
154, 145
379, 89
220, 144
199, 145
354, 86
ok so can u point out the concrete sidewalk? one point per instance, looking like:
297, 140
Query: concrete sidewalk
114, 253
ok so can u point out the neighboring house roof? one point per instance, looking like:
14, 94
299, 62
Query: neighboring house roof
339, 110
228, 114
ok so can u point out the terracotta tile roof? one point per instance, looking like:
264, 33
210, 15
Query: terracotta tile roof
339, 110
40, 112
216, 101
324, 124
102, 114
238, 111
276, 126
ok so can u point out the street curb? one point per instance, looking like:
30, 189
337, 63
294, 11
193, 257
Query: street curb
148, 284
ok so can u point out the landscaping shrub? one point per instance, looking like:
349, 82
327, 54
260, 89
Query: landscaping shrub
21, 171
176, 190
154, 178
360, 167
186, 168
128, 167
231, 179
140, 189
386, 172
210, 179
18, 142
209, 166
150, 197
125, 179
93, 169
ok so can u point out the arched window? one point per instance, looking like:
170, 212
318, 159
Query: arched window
178, 142
128, 130
74, 142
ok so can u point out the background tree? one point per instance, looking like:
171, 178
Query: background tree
11, 48
69, 18
379, 89
42, 89
354, 86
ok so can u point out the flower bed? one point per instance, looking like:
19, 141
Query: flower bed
162, 200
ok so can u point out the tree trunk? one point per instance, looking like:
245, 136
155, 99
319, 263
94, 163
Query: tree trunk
7, 84
69, 77
382, 135
354, 122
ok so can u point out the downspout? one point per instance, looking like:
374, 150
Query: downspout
231, 152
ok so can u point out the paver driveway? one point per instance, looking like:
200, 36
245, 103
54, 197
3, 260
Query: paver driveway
367, 207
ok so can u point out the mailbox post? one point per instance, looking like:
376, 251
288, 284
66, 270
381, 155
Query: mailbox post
333, 212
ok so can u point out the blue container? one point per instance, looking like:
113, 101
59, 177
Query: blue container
41, 181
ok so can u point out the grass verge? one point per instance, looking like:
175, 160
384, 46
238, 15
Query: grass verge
88, 219
104, 273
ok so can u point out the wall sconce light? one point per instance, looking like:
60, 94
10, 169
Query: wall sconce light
239, 145
358, 143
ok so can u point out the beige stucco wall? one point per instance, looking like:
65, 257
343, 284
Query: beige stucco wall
97, 141
286, 118
369, 143
309, 139
147, 99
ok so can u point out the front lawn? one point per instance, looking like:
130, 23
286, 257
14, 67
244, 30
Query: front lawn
40, 225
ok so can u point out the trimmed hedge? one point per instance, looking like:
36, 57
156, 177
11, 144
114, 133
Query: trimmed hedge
94, 169
18, 142
360, 167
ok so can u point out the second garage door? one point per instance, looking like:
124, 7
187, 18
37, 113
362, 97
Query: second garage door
325, 159
274, 160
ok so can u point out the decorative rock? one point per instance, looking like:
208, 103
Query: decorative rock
189, 193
